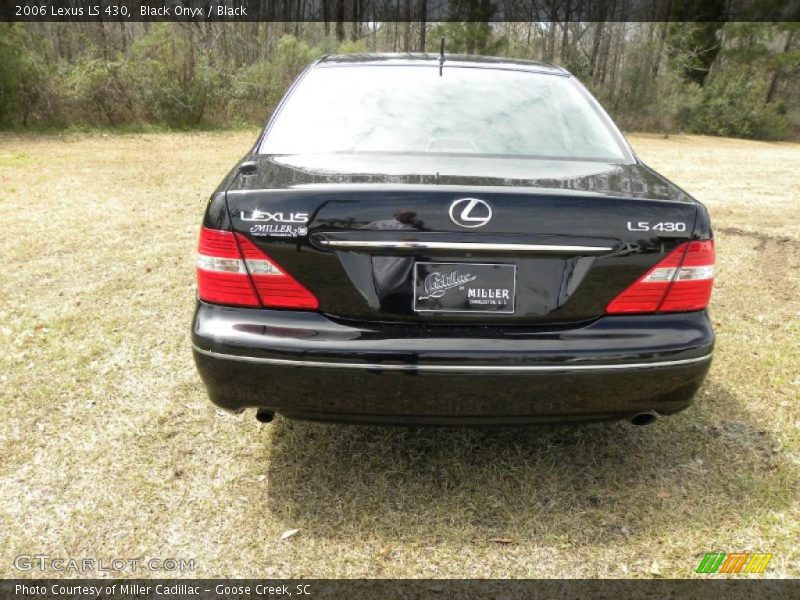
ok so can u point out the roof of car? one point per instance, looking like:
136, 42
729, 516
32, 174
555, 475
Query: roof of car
450, 60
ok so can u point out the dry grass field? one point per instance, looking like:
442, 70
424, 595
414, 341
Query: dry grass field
110, 449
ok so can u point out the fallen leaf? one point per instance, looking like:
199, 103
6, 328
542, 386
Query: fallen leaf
289, 533
501, 540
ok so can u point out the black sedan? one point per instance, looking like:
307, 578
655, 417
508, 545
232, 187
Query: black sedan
450, 240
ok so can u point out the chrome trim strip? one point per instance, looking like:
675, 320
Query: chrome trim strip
413, 245
449, 368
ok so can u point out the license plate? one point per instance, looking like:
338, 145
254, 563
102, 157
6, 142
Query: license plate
464, 287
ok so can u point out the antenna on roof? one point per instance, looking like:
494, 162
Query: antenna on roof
441, 57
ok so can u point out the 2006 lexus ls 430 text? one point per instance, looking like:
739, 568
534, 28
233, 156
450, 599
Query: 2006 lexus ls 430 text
450, 240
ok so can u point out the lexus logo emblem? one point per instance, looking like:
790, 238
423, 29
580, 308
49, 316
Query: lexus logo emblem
470, 212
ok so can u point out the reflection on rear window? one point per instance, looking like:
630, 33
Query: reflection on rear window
411, 109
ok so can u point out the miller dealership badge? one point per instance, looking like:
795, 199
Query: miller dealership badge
276, 224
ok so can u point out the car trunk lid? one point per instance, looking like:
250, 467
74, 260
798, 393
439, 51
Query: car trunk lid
365, 233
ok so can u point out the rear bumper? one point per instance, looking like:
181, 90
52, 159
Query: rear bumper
306, 365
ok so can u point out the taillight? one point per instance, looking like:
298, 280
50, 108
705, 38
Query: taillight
232, 270
682, 281
221, 274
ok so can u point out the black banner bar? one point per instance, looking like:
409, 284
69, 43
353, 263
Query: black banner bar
383, 589
366, 11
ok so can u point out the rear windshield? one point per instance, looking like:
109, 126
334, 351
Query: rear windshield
414, 110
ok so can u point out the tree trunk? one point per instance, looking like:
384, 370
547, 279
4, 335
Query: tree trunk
616, 60
773, 80
598, 36
550, 51
602, 59
396, 27
423, 18
355, 29
407, 19
565, 34
662, 42
340, 20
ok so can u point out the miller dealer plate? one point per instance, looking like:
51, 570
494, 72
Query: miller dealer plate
464, 287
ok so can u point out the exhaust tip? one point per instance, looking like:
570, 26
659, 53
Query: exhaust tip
264, 416
644, 418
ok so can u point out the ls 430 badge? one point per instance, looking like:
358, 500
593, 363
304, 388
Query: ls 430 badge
665, 226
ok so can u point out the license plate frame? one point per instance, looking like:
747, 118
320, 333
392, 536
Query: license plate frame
493, 288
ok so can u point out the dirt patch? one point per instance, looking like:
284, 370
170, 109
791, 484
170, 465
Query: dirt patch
763, 238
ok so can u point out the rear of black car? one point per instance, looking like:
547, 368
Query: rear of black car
479, 246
